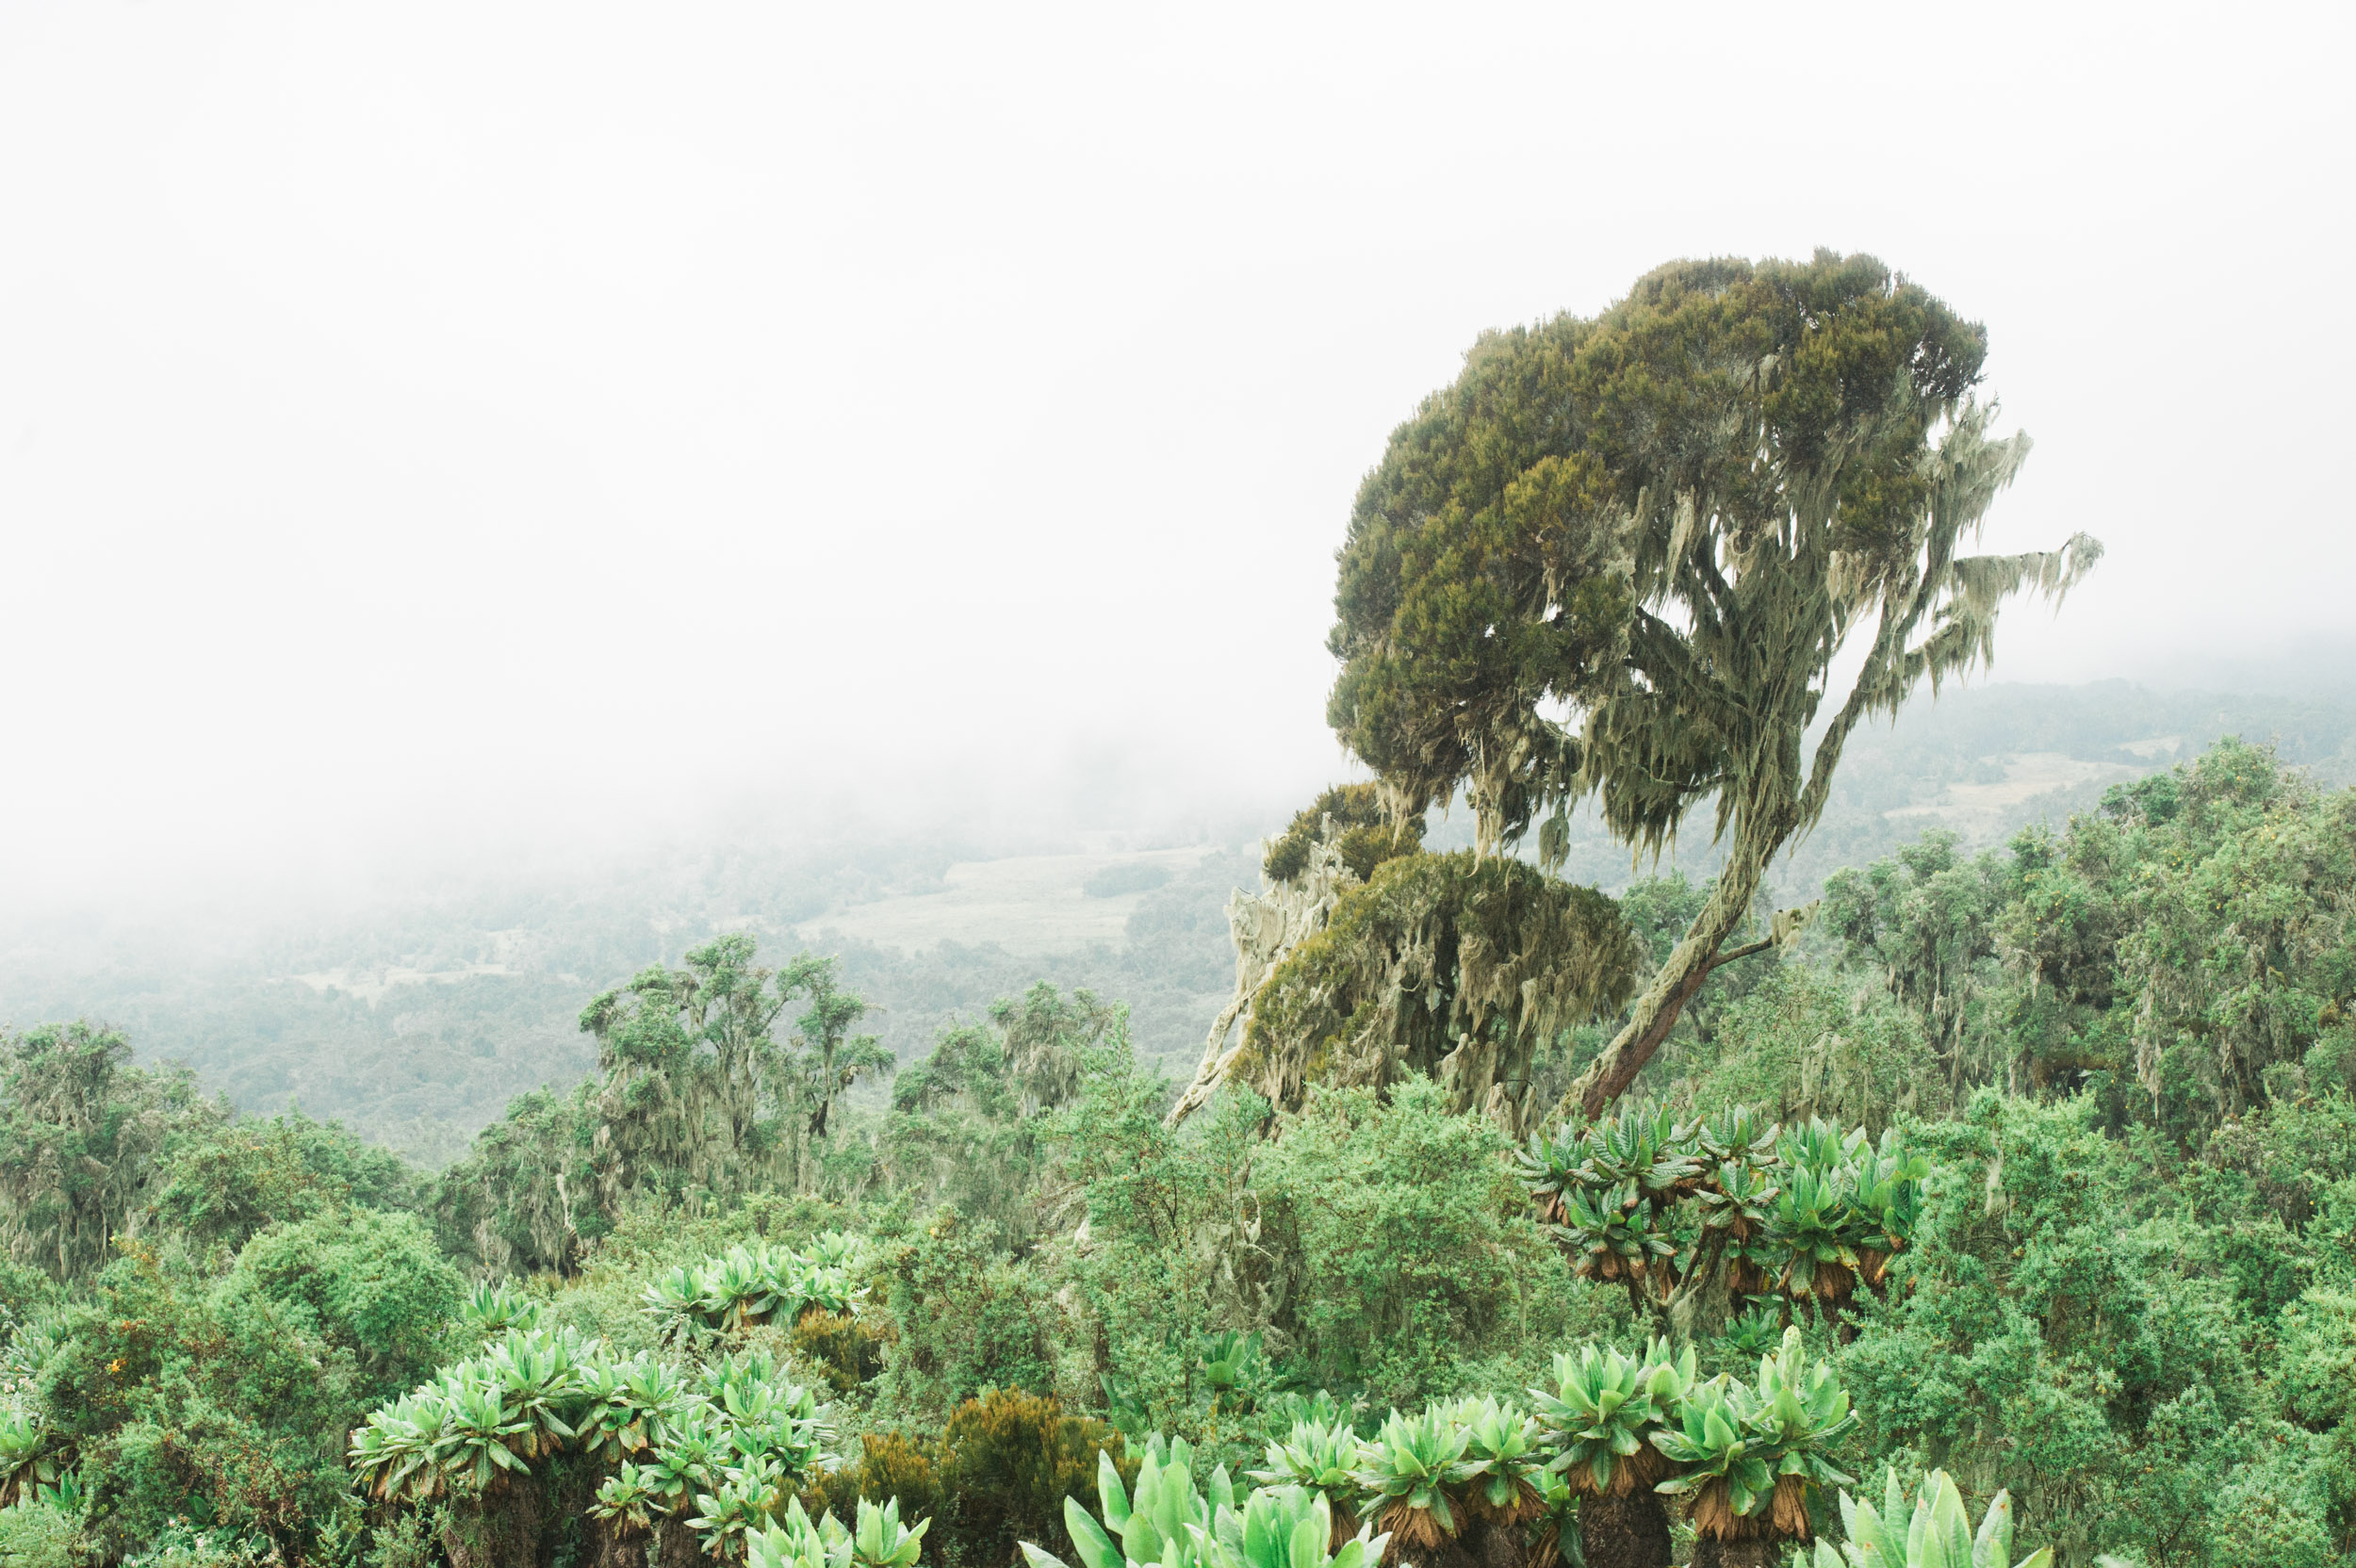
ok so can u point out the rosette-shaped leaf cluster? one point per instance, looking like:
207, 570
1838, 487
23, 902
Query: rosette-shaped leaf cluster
1659, 1205
1424, 1479
1231, 1366
1755, 1333
1285, 1526
1748, 1456
1844, 1209
724, 1450
1719, 1465
495, 1309
1597, 1422
750, 1286
1319, 1458
1502, 1442
1409, 1470
28, 1457
1938, 1533
1167, 1522
876, 1540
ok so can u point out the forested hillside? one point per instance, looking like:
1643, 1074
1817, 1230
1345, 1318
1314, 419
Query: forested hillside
1953, 1163
415, 1016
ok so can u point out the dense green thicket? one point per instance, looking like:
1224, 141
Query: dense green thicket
2017, 1187
2119, 1291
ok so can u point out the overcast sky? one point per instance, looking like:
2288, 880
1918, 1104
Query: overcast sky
444, 422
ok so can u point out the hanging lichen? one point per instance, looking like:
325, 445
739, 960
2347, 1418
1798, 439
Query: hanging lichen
1450, 965
1331, 846
1362, 833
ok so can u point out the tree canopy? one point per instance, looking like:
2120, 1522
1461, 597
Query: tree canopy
1617, 558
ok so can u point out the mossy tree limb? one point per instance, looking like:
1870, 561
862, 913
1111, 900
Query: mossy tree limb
1618, 559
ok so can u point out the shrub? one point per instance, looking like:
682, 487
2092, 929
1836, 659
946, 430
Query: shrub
847, 1349
963, 1318
891, 1468
36, 1536
1008, 1461
1407, 1238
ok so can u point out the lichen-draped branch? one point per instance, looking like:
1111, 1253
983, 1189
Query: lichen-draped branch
1454, 966
1668, 521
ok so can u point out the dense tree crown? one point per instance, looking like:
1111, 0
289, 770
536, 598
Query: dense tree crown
1616, 559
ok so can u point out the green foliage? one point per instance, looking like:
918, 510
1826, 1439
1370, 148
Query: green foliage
521, 1198
846, 1349
2192, 937
2242, 953
750, 1286
1454, 966
1584, 519
1169, 1520
2135, 1316
699, 1090
1669, 1208
1928, 918
967, 1123
81, 1131
1502, 1443
1316, 1456
1599, 1418
2074, 1323
372, 1285
1407, 1471
1408, 1253
39, 1535
1807, 1043
220, 1401
1364, 834
1938, 1534
1012, 1462
1286, 1527
698, 1098
721, 1452
222, 1185
493, 1309
1712, 1444
891, 1468
965, 1318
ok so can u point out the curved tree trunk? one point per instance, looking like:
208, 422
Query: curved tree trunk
1264, 927
1688, 965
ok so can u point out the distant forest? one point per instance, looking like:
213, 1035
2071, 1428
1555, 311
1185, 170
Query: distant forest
420, 1067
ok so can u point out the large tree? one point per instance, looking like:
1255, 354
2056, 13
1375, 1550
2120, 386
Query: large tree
1619, 558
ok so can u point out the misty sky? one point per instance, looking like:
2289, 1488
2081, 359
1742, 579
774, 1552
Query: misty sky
435, 423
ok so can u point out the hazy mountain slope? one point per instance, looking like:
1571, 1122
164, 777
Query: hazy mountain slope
416, 1017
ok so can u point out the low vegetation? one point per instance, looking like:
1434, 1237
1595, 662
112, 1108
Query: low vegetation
1517, 1224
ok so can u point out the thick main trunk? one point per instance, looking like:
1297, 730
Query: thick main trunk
1689, 964
1624, 1532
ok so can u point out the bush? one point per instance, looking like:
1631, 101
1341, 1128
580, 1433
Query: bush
34, 1535
1805, 1043
374, 1284
998, 1475
847, 1349
1008, 1461
893, 1467
1409, 1241
963, 1317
